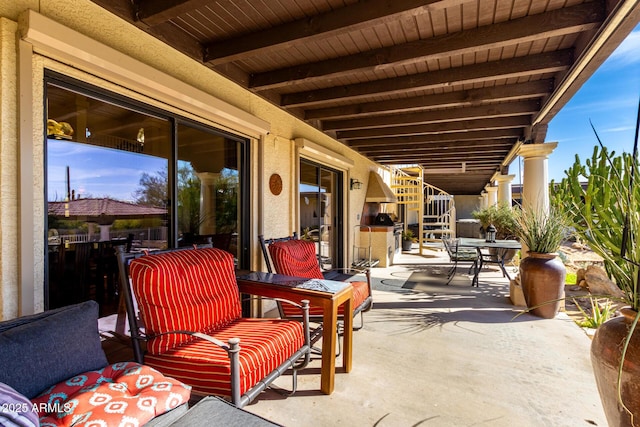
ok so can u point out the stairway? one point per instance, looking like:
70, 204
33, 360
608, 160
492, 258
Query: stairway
430, 208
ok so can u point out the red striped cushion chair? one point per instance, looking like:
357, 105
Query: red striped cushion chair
293, 257
195, 290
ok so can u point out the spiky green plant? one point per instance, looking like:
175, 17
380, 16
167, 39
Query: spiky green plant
541, 231
600, 313
598, 211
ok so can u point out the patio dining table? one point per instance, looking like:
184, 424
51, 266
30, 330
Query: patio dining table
501, 247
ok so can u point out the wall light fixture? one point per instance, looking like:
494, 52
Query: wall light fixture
355, 184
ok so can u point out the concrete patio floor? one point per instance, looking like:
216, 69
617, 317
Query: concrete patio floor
452, 358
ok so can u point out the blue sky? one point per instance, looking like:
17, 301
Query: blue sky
96, 171
609, 99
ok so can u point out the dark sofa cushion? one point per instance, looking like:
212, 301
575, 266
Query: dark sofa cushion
38, 351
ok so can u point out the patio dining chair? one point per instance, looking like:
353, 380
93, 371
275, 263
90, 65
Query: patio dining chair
294, 257
459, 254
189, 303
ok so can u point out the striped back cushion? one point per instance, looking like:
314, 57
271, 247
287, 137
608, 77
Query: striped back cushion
295, 258
192, 290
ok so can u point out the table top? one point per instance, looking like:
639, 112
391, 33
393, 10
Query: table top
280, 280
482, 243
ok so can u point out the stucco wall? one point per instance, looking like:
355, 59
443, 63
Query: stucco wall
277, 154
8, 170
465, 205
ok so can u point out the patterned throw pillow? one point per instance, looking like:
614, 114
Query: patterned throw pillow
119, 394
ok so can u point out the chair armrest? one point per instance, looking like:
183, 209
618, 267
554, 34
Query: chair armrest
344, 273
284, 300
209, 338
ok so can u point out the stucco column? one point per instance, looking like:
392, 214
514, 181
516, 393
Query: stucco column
485, 200
535, 195
207, 202
535, 183
104, 232
492, 195
504, 189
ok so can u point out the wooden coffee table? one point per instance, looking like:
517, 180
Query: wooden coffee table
329, 298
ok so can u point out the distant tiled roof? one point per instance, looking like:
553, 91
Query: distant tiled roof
92, 210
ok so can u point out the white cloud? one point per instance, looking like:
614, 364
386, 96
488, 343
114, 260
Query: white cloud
627, 52
620, 129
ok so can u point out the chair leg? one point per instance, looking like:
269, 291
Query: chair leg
450, 279
294, 385
473, 266
452, 270
357, 328
317, 350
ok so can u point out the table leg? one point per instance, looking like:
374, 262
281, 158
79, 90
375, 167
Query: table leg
347, 335
329, 336
476, 274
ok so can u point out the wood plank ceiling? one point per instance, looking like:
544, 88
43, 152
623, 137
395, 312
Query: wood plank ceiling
451, 85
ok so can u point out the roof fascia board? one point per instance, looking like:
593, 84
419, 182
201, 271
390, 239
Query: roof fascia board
63, 44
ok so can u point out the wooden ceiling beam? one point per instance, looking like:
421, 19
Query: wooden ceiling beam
455, 114
465, 147
122, 8
360, 15
473, 156
555, 23
443, 127
154, 12
163, 31
550, 62
534, 89
438, 138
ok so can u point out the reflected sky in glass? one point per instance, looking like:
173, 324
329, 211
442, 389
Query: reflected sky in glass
96, 171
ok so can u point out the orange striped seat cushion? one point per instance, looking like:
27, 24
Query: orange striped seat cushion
298, 258
264, 345
192, 290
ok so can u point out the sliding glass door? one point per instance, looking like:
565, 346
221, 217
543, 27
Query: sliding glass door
321, 211
124, 174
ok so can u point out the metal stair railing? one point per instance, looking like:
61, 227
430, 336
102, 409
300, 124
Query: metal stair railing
434, 207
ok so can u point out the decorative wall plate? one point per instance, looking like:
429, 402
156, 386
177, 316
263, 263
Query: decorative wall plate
275, 184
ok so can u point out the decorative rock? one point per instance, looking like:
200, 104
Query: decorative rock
583, 284
580, 275
579, 246
515, 292
599, 284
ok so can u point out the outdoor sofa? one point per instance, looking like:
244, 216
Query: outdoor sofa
54, 372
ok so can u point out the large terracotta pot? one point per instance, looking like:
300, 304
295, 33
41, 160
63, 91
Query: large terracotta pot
542, 277
606, 352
